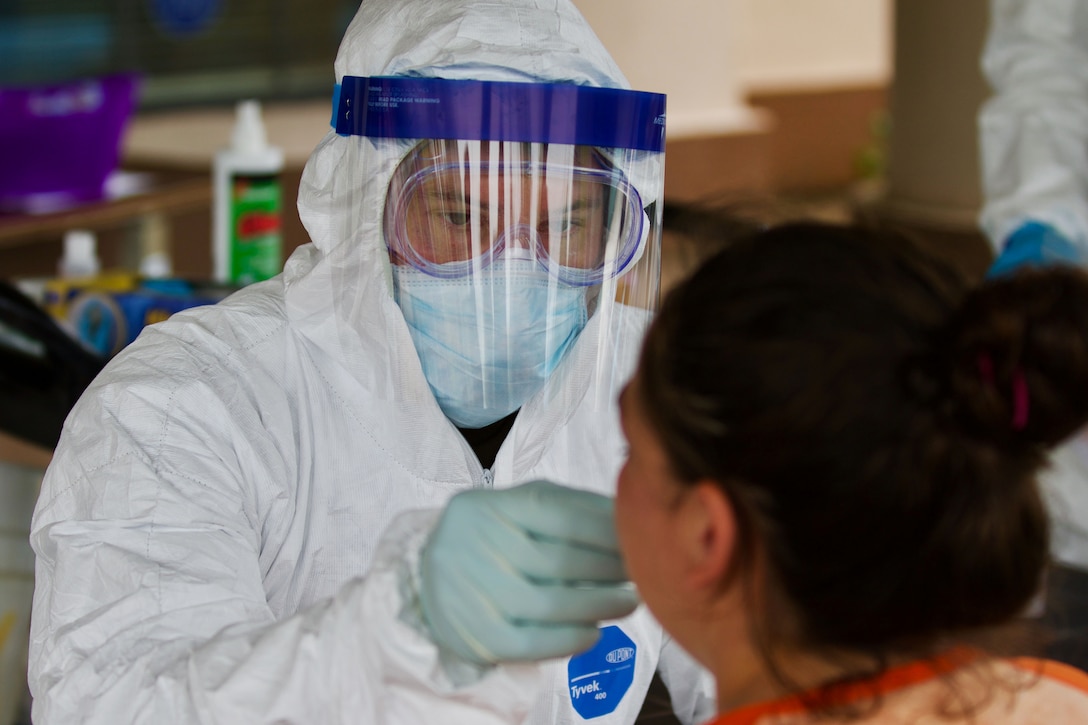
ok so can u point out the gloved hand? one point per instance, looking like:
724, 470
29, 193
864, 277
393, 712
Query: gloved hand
523, 573
1034, 244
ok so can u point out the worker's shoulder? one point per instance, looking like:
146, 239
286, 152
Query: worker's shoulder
245, 320
225, 345
240, 331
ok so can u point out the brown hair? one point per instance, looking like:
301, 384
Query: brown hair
877, 422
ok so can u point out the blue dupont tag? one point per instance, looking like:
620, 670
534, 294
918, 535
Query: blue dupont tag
598, 679
561, 113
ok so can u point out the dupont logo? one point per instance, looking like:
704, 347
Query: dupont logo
598, 680
621, 654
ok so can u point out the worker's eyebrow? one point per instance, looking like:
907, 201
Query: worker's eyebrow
446, 194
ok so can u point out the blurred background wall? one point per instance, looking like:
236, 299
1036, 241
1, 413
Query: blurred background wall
868, 105
765, 96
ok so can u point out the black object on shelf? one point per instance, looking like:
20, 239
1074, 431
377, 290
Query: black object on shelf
43, 371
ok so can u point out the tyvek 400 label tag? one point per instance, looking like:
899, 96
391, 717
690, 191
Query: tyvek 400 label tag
598, 679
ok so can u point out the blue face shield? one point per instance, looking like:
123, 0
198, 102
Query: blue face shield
517, 210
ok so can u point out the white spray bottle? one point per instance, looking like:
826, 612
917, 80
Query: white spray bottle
248, 204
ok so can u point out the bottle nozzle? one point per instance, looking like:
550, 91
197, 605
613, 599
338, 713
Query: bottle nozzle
80, 254
249, 135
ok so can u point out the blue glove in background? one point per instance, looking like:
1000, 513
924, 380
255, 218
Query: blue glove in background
1034, 244
523, 573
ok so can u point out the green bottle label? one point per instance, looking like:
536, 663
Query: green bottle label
256, 240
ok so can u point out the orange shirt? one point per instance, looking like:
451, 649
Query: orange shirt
1051, 692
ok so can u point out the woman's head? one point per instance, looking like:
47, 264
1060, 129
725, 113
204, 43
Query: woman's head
874, 425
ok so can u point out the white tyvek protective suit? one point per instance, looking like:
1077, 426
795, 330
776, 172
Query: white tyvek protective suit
1034, 152
228, 529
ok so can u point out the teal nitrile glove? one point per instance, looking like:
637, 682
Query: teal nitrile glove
1034, 244
523, 573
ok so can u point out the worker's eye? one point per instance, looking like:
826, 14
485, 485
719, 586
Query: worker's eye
456, 218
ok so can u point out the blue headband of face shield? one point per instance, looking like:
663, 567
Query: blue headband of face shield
551, 113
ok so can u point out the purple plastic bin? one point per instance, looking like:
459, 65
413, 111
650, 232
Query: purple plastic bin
60, 143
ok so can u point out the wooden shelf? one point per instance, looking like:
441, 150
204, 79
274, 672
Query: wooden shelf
164, 195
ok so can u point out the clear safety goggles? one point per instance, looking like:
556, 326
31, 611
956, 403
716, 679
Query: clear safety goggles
454, 207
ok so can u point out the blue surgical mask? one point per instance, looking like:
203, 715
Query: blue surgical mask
488, 342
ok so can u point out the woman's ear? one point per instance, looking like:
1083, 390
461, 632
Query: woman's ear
710, 534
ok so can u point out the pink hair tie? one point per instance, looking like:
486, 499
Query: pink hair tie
986, 368
1021, 401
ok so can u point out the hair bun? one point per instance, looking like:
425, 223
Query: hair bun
1020, 357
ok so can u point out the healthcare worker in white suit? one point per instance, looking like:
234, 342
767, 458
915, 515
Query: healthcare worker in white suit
1034, 153
246, 517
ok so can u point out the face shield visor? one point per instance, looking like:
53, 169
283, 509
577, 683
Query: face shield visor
522, 230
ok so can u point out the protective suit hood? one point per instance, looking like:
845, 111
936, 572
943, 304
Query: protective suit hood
516, 40
339, 289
